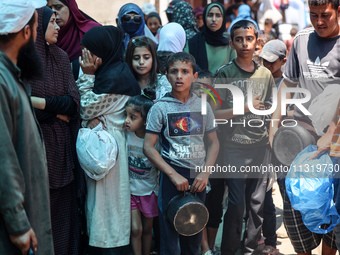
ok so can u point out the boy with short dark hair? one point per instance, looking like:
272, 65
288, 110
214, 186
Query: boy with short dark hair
177, 120
274, 58
245, 141
204, 80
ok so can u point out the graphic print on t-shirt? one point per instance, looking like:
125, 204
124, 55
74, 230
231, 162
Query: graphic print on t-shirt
139, 169
316, 69
185, 123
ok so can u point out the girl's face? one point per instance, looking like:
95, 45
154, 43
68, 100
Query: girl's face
51, 34
153, 25
134, 121
63, 12
142, 61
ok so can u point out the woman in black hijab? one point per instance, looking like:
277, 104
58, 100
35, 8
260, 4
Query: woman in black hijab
210, 47
105, 87
56, 101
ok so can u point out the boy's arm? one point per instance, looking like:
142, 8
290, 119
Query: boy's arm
152, 154
228, 113
274, 126
324, 143
201, 179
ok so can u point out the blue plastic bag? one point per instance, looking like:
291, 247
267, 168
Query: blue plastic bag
310, 188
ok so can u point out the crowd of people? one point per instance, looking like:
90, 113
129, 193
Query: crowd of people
144, 84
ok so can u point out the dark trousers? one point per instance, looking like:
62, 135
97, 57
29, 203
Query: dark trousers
245, 195
171, 242
214, 201
269, 220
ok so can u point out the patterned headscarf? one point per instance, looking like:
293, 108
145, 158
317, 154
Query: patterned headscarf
184, 15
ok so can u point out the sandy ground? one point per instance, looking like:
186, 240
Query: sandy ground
283, 244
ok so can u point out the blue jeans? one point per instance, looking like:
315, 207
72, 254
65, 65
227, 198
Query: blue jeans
171, 242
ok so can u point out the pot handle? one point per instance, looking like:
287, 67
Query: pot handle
188, 191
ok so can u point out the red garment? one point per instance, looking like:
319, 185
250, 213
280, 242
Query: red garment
70, 35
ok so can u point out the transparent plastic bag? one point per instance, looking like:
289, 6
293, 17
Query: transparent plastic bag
97, 151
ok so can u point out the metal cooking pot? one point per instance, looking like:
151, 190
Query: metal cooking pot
187, 213
289, 141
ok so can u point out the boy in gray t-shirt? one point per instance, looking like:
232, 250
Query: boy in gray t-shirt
177, 119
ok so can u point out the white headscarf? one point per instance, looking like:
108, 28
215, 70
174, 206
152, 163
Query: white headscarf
14, 14
172, 38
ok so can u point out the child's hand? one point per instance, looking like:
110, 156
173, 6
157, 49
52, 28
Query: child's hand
93, 123
90, 63
257, 103
200, 182
180, 182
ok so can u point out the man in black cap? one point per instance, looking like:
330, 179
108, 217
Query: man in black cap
169, 11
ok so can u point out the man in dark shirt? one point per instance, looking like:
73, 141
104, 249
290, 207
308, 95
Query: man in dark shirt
313, 63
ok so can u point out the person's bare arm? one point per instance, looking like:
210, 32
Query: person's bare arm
38, 102
228, 113
152, 154
325, 142
202, 178
274, 126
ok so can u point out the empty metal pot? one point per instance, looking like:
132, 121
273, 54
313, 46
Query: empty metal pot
187, 213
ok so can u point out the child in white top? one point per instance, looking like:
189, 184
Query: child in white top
143, 174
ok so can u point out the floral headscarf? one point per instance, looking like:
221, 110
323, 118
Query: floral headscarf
184, 15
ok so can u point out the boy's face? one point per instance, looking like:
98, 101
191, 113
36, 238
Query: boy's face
180, 76
244, 42
325, 20
275, 67
268, 27
199, 84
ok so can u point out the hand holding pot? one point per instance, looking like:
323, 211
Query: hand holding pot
179, 181
200, 182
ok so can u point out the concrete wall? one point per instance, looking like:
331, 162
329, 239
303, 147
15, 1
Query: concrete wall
106, 11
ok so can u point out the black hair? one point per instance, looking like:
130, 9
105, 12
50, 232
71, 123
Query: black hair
183, 57
334, 3
231, 8
142, 103
268, 22
246, 24
153, 14
7, 38
205, 74
143, 41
